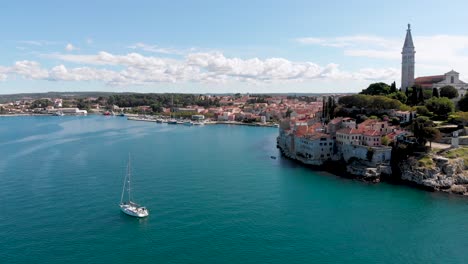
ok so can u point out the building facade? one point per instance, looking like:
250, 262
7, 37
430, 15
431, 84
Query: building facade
451, 78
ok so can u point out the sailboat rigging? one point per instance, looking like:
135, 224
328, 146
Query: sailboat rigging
129, 207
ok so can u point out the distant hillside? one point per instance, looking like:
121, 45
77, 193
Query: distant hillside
13, 97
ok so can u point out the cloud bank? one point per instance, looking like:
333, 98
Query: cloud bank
201, 67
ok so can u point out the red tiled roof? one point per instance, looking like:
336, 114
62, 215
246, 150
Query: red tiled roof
429, 80
336, 120
367, 122
372, 133
350, 131
316, 135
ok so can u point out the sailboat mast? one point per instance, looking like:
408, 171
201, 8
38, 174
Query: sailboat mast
129, 172
123, 188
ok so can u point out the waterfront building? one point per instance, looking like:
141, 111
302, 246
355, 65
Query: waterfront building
198, 117
408, 61
68, 111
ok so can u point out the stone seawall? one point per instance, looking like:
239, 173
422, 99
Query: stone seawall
354, 168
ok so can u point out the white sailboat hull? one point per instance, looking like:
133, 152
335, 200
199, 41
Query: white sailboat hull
134, 210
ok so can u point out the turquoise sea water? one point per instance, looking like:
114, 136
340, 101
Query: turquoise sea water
214, 195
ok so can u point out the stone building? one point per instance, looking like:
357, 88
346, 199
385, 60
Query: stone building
438, 81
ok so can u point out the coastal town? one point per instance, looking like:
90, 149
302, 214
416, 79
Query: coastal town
370, 136
206, 132
247, 109
395, 142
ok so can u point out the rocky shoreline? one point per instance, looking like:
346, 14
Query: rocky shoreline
354, 169
446, 175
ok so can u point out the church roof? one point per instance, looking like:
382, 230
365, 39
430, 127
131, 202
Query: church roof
408, 39
427, 81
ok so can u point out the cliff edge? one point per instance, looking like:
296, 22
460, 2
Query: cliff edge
437, 173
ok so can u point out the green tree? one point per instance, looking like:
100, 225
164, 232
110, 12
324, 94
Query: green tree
420, 95
463, 103
427, 94
156, 107
330, 108
449, 92
41, 103
459, 118
421, 110
435, 92
385, 141
424, 130
393, 88
82, 104
324, 107
413, 100
441, 107
377, 89
400, 96
370, 102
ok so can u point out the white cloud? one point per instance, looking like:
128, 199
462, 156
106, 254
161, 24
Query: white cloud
70, 47
61, 73
89, 41
29, 70
156, 49
208, 67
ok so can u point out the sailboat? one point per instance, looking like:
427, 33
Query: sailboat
129, 207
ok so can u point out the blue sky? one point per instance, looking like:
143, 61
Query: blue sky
223, 46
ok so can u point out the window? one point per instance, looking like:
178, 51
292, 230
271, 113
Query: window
452, 79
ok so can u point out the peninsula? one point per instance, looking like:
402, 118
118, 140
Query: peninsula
387, 133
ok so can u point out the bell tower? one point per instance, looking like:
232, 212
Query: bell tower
407, 61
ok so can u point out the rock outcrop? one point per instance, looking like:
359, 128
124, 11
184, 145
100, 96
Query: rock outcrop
364, 172
447, 175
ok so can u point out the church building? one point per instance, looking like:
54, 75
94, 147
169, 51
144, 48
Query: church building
428, 82
438, 81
